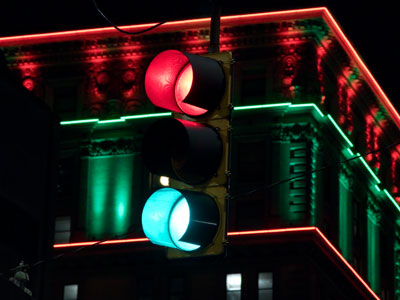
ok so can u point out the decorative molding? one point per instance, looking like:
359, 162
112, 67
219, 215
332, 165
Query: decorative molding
109, 147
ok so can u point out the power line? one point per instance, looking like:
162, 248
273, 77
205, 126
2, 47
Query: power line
304, 174
121, 30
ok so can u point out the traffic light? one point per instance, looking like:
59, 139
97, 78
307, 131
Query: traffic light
192, 149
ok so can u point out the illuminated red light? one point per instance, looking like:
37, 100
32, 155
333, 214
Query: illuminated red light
185, 83
161, 77
168, 81
182, 88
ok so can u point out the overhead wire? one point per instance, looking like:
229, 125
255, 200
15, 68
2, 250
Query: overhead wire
122, 30
304, 174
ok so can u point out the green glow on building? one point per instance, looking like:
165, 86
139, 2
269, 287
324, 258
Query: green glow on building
110, 121
145, 116
350, 152
350, 144
310, 105
345, 220
369, 169
109, 194
373, 273
392, 199
249, 107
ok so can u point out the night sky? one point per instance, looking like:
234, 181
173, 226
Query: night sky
370, 26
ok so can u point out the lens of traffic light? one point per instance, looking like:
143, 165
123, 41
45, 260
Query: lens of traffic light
184, 83
180, 219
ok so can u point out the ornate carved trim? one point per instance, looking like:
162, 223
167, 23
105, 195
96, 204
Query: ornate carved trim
109, 147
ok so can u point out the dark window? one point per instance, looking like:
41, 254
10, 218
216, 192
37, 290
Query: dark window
65, 100
176, 289
251, 162
145, 289
253, 85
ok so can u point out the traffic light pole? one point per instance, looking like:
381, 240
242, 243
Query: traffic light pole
215, 26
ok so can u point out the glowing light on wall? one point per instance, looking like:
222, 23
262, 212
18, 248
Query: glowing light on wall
394, 165
373, 131
348, 85
108, 195
322, 50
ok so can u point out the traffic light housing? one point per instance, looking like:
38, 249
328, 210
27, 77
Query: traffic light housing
192, 149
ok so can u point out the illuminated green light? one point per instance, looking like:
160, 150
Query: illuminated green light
145, 116
309, 105
368, 168
165, 219
392, 199
340, 131
79, 122
248, 107
377, 188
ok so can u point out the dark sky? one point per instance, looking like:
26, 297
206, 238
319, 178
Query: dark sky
371, 26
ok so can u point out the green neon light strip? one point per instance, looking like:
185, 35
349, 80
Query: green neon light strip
350, 151
166, 114
78, 122
392, 199
377, 188
248, 107
309, 105
110, 121
121, 119
340, 131
368, 168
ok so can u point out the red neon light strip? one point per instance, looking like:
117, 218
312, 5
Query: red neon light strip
109, 242
348, 47
329, 244
202, 22
243, 233
271, 231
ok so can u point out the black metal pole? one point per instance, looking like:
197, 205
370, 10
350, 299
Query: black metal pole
215, 26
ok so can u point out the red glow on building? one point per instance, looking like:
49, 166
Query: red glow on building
373, 132
394, 166
347, 92
321, 52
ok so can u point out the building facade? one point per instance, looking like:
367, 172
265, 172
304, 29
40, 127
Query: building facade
314, 163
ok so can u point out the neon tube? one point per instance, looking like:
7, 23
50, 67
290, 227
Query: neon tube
340, 131
168, 26
250, 107
120, 120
